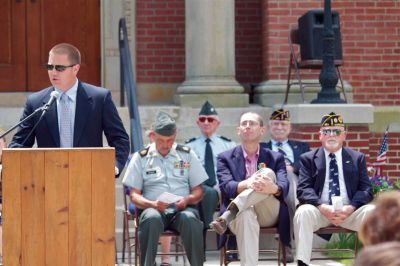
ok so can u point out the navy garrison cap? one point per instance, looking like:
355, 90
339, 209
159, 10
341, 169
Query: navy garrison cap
208, 109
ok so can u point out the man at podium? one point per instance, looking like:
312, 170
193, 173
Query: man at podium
82, 114
166, 183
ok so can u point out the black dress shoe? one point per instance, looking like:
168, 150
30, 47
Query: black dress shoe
289, 255
300, 263
232, 257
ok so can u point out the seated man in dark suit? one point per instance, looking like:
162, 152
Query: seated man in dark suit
334, 187
252, 199
279, 128
82, 114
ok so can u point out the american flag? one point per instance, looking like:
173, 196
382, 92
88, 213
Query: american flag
381, 159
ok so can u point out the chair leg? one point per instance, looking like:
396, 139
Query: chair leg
341, 83
222, 257
283, 252
176, 247
128, 241
137, 257
288, 84
123, 239
297, 73
279, 252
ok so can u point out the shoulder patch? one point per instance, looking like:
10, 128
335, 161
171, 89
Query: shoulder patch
183, 148
190, 140
225, 138
144, 152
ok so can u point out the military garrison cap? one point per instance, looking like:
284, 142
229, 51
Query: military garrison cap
208, 109
332, 120
280, 114
164, 125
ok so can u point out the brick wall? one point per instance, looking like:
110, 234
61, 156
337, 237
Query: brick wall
160, 41
370, 41
248, 41
360, 139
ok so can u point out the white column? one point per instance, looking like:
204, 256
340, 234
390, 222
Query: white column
210, 55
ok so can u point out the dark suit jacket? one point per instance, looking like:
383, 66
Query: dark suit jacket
231, 170
298, 148
95, 113
312, 177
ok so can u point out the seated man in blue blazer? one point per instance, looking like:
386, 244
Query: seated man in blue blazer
82, 114
252, 200
333, 189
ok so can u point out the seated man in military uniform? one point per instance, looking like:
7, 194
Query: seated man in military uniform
162, 167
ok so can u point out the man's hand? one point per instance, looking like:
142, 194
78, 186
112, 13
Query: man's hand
264, 185
181, 204
289, 168
327, 211
336, 217
160, 206
341, 215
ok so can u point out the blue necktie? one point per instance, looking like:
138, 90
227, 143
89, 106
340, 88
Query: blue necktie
65, 122
334, 189
282, 151
209, 165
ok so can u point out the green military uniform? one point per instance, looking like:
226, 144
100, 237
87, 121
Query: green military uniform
177, 173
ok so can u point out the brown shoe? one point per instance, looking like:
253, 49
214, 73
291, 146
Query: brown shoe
219, 225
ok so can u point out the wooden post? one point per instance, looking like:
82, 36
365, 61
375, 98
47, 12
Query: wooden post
59, 207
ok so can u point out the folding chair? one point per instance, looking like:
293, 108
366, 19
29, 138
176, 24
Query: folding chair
297, 64
263, 230
335, 230
128, 215
176, 240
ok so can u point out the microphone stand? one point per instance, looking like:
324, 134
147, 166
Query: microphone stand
42, 108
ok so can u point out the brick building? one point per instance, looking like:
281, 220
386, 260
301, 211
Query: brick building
371, 52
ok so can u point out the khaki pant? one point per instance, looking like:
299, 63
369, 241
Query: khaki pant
309, 219
291, 200
255, 210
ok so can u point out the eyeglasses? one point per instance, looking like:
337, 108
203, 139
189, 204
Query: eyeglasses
59, 68
203, 119
249, 123
328, 132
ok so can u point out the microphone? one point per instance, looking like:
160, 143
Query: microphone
53, 97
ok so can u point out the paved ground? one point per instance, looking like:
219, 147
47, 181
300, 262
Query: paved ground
213, 260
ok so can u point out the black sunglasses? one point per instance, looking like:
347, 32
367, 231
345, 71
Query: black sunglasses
59, 68
335, 132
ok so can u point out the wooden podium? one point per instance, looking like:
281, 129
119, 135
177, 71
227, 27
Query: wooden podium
59, 207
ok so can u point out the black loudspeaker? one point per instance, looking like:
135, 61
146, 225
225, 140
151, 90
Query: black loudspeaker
311, 28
